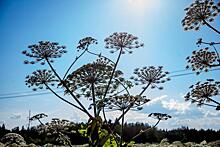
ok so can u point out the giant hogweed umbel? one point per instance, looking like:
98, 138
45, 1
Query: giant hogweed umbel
99, 81
199, 13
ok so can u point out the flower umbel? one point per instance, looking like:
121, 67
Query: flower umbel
122, 102
44, 50
58, 128
203, 92
96, 74
85, 42
122, 40
38, 116
159, 116
202, 60
39, 78
150, 75
199, 12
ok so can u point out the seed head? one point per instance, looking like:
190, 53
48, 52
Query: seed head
203, 92
122, 102
199, 12
159, 116
85, 42
44, 50
202, 60
122, 40
150, 75
39, 78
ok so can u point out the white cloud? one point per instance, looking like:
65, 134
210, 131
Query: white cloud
180, 107
156, 100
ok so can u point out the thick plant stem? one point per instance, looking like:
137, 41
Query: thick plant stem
63, 98
103, 111
93, 98
211, 27
122, 128
67, 88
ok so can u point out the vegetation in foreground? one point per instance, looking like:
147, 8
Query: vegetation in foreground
75, 134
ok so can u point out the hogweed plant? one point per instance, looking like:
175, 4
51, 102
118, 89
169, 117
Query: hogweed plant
58, 129
202, 12
99, 82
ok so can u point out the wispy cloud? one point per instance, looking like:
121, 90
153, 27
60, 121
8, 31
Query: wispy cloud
197, 123
209, 113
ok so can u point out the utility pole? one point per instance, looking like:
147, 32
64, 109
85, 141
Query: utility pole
29, 121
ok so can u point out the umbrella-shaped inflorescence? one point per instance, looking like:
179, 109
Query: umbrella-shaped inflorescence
44, 50
40, 78
58, 128
150, 75
122, 102
93, 75
199, 13
159, 116
85, 42
202, 60
122, 41
202, 93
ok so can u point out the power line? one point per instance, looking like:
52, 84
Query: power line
27, 95
16, 93
13, 95
27, 92
190, 73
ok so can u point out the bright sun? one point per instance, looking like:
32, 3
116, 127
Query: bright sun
142, 5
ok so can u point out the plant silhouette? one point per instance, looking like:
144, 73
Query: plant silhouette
100, 82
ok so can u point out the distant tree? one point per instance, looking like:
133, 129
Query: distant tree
199, 13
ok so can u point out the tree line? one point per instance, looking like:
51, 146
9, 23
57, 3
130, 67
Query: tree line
153, 135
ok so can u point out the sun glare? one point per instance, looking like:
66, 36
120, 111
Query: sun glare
142, 5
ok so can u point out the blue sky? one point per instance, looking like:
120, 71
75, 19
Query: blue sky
157, 23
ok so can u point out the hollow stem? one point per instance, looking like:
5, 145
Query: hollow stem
122, 127
93, 99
